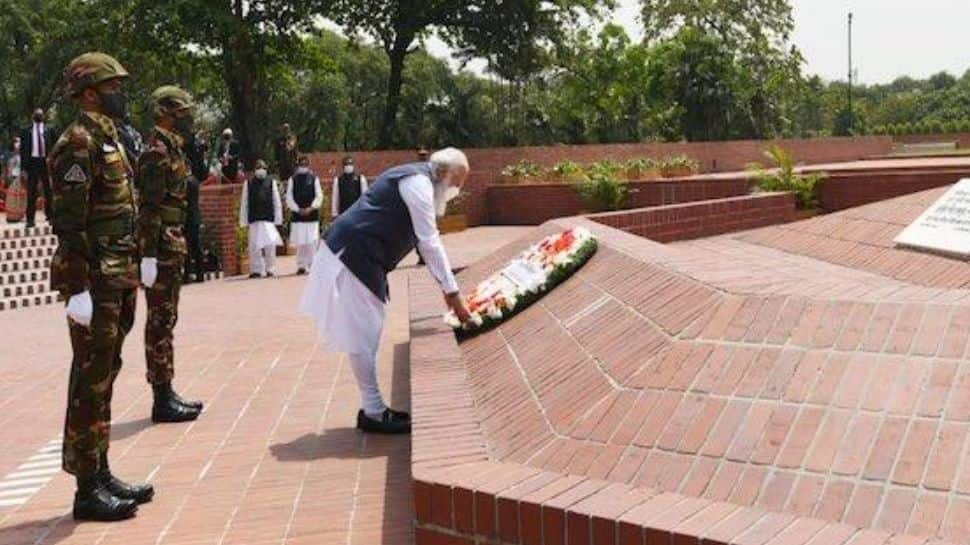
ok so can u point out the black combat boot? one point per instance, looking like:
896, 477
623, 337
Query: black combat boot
93, 501
197, 405
140, 493
167, 408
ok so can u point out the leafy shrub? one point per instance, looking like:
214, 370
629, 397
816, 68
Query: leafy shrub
521, 170
678, 165
783, 178
602, 192
605, 167
569, 170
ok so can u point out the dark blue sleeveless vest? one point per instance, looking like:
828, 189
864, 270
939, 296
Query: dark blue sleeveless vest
376, 233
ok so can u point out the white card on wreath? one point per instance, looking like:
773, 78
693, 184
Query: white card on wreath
945, 225
527, 276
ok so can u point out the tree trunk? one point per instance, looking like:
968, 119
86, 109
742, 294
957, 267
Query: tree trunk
241, 83
397, 55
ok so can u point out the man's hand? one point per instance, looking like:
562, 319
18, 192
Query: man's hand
456, 302
80, 308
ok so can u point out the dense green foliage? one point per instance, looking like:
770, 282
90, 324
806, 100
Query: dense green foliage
705, 71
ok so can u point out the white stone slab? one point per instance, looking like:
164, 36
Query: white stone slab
944, 226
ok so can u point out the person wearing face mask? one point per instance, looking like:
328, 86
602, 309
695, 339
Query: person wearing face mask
163, 172
37, 140
347, 290
285, 152
347, 188
261, 210
95, 269
228, 153
303, 198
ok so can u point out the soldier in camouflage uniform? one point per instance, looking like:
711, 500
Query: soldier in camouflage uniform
163, 172
95, 270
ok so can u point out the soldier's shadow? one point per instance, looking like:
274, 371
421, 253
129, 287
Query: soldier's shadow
339, 443
40, 532
127, 429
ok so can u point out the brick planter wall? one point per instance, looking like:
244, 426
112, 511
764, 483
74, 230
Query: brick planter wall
846, 190
702, 219
532, 204
487, 163
218, 205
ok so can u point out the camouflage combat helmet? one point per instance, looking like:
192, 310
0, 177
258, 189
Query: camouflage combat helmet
91, 69
169, 99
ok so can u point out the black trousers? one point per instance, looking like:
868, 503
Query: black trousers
38, 180
195, 263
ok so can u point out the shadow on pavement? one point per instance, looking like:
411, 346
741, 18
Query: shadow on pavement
47, 531
127, 429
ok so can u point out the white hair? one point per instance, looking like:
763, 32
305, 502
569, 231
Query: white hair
449, 159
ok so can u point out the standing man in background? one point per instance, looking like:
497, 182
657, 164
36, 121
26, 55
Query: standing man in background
228, 153
95, 269
35, 141
303, 198
285, 152
163, 172
196, 149
347, 188
261, 210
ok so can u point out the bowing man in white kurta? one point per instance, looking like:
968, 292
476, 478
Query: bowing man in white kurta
303, 199
346, 292
261, 210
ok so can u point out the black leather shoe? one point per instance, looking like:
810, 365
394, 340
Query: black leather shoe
167, 409
399, 415
270, 274
197, 405
93, 501
254, 275
140, 493
386, 424
301, 271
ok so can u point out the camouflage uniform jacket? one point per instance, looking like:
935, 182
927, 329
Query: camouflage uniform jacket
162, 190
94, 208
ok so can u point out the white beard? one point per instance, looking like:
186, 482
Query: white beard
442, 194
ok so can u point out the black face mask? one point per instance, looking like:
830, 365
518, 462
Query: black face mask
185, 125
114, 104
38, 118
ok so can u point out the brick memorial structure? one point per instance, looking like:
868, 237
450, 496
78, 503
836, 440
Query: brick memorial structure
806, 383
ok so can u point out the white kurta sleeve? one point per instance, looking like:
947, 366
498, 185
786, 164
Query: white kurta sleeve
290, 202
363, 184
277, 205
317, 194
244, 205
418, 195
335, 198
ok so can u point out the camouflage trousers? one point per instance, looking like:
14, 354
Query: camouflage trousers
163, 314
96, 363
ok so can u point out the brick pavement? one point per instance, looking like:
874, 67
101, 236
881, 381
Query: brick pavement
273, 460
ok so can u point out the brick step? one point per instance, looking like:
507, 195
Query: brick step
11, 303
42, 241
18, 231
19, 277
26, 253
29, 264
25, 288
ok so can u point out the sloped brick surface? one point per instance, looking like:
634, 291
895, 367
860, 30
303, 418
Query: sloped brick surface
716, 391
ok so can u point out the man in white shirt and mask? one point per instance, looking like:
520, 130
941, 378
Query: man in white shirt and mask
303, 198
347, 290
261, 210
347, 188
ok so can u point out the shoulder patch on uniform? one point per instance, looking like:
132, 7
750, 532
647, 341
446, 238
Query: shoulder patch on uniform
75, 174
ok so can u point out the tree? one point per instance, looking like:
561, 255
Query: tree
251, 40
499, 30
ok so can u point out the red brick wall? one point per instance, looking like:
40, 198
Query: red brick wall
846, 190
703, 219
532, 204
961, 138
218, 204
486, 163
